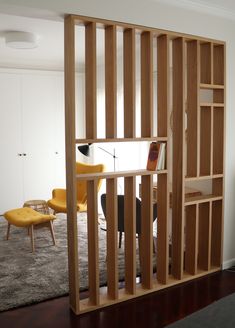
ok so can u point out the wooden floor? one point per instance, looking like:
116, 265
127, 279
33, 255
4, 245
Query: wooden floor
154, 310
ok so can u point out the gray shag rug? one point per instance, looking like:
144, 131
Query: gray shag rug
27, 278
219, 314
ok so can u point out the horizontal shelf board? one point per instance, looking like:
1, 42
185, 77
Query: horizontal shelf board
210, 104
100, 140
201, 199
204, 177
85, 305
211, 86
118, 174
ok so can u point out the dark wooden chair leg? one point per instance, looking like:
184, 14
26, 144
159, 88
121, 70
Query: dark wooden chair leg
52, 232
8, 230
120, 239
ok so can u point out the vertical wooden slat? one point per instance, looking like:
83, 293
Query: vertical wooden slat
111, 217
212, 63
192, 106
71, 163
218, 64
129, 83
146, 84
90, 80
146, 238
93, 246
162, 229
130, 235
211, 141
218, 140
162, 184
204, 243
191, 239
111, 81
178, 153
205, 55
205, 140
216, 233
162, 84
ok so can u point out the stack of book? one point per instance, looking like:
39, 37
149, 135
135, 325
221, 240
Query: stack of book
156, 156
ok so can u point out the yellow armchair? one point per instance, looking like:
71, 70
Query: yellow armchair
58, 201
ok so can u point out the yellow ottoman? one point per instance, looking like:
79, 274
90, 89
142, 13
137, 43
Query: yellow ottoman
29, 218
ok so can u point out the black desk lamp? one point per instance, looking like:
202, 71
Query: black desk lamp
85, 150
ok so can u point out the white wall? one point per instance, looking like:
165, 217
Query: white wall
150, 13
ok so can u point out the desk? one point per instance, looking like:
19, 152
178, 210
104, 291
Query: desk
189, 192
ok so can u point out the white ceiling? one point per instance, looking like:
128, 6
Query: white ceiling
49, 54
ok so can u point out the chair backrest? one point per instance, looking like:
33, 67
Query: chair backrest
82, 168
121, 212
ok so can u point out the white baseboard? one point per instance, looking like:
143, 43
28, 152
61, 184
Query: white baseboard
228, 264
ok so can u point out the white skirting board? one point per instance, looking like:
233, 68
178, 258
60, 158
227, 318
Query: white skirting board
228, 264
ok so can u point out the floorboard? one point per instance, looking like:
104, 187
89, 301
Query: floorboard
153, 310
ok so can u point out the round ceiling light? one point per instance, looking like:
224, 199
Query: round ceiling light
21, 40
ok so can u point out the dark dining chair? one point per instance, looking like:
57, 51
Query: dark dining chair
121, 214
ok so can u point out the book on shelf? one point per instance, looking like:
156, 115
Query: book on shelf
156, 156
162, 156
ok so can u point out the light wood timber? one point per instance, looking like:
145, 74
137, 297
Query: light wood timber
90, 79
93, 245
111, 218
201, 199
146, 238
111, 81
218, 64
178, 153
218, 140
98, 140
162, 251
192, 106
163, 64
205, 141
130, 233
117, 174
191, 239
216, 235
205, 55
129, 83
204, 243
101, 23
163, 84
211, 57
146, 84
71, 163
140, 291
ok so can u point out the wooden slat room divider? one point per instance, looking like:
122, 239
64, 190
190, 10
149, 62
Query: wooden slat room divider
186, 241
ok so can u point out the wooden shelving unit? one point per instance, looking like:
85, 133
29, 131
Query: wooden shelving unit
205, 155
198, 155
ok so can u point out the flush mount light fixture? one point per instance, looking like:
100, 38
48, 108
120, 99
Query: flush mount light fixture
21, 40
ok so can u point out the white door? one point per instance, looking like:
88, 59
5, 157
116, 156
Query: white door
60, 134
11, 182
39, 97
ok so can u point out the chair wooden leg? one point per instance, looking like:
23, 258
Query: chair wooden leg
52, 231
32, 238
139, 244
8, 230
120, 239
154, 247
